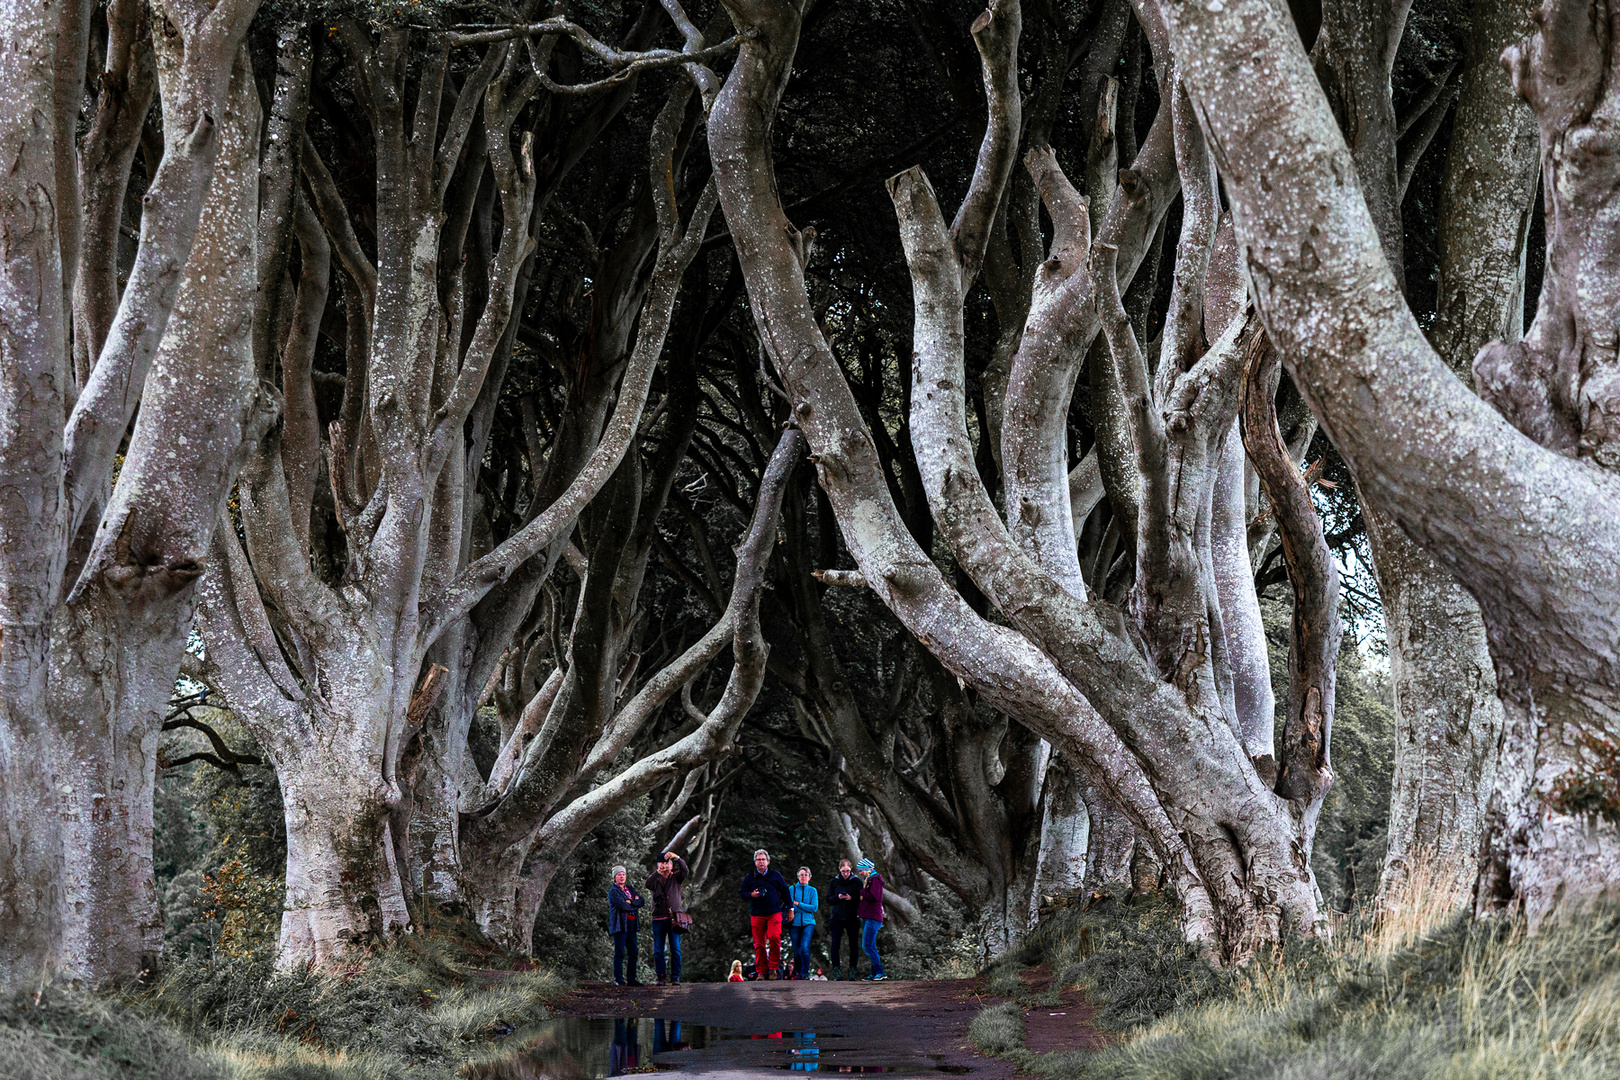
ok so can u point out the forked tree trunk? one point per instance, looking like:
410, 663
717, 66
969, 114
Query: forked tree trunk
117, 641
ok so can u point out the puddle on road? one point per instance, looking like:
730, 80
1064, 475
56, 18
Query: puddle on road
587, 1048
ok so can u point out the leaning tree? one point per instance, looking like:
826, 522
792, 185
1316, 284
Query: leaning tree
1512, 491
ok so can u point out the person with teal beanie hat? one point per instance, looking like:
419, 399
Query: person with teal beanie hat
871, 913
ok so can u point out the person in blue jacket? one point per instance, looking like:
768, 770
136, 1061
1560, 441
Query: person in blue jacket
805, 901
624, 905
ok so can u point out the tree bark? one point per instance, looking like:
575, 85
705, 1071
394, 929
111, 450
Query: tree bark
35, 379
117, 641
343, 884
1530, 532
1448, 726
1446, 714
1065, 832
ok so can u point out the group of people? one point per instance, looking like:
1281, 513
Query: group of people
854, 905
853, 910
669, 920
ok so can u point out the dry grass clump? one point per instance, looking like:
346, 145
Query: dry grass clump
998, 1029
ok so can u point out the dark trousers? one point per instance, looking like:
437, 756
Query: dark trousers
852, 930
624, 947
664, 930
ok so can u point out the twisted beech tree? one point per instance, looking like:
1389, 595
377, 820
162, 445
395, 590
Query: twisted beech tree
96, 577
1448, 718
1158, 673
328, 667
1514, 494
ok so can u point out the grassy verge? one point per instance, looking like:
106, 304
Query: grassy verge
421, 1010
1420, 995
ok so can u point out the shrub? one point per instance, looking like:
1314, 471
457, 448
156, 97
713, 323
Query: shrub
418, 1003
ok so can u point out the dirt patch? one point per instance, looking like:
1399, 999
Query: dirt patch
1067, 1025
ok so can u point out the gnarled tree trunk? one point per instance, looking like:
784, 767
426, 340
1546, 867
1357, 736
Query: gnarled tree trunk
1528, 525
1448, 726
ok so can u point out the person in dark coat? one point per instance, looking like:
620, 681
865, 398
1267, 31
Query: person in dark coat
843, 922
767, 895
624, 905
664, 886
870, 909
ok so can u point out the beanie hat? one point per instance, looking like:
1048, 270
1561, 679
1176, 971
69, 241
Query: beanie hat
864, 864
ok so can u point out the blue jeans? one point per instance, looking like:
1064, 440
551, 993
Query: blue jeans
624, 945
664, 930
801, 949
869, 931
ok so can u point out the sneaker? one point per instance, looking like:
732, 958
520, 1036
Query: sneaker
676, 981
660, 981
879, 977
618, 982
837, 976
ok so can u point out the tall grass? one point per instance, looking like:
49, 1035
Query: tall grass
418, 1010
1416, 992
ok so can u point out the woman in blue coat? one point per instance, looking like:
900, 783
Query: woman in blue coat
805, 902
624, 905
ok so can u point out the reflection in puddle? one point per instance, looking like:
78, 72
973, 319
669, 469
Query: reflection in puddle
581, 1048
577, 1048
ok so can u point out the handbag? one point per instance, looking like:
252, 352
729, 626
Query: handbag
681, 922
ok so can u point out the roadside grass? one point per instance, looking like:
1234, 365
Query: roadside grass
1417, 993
422, 1008
81, 1037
